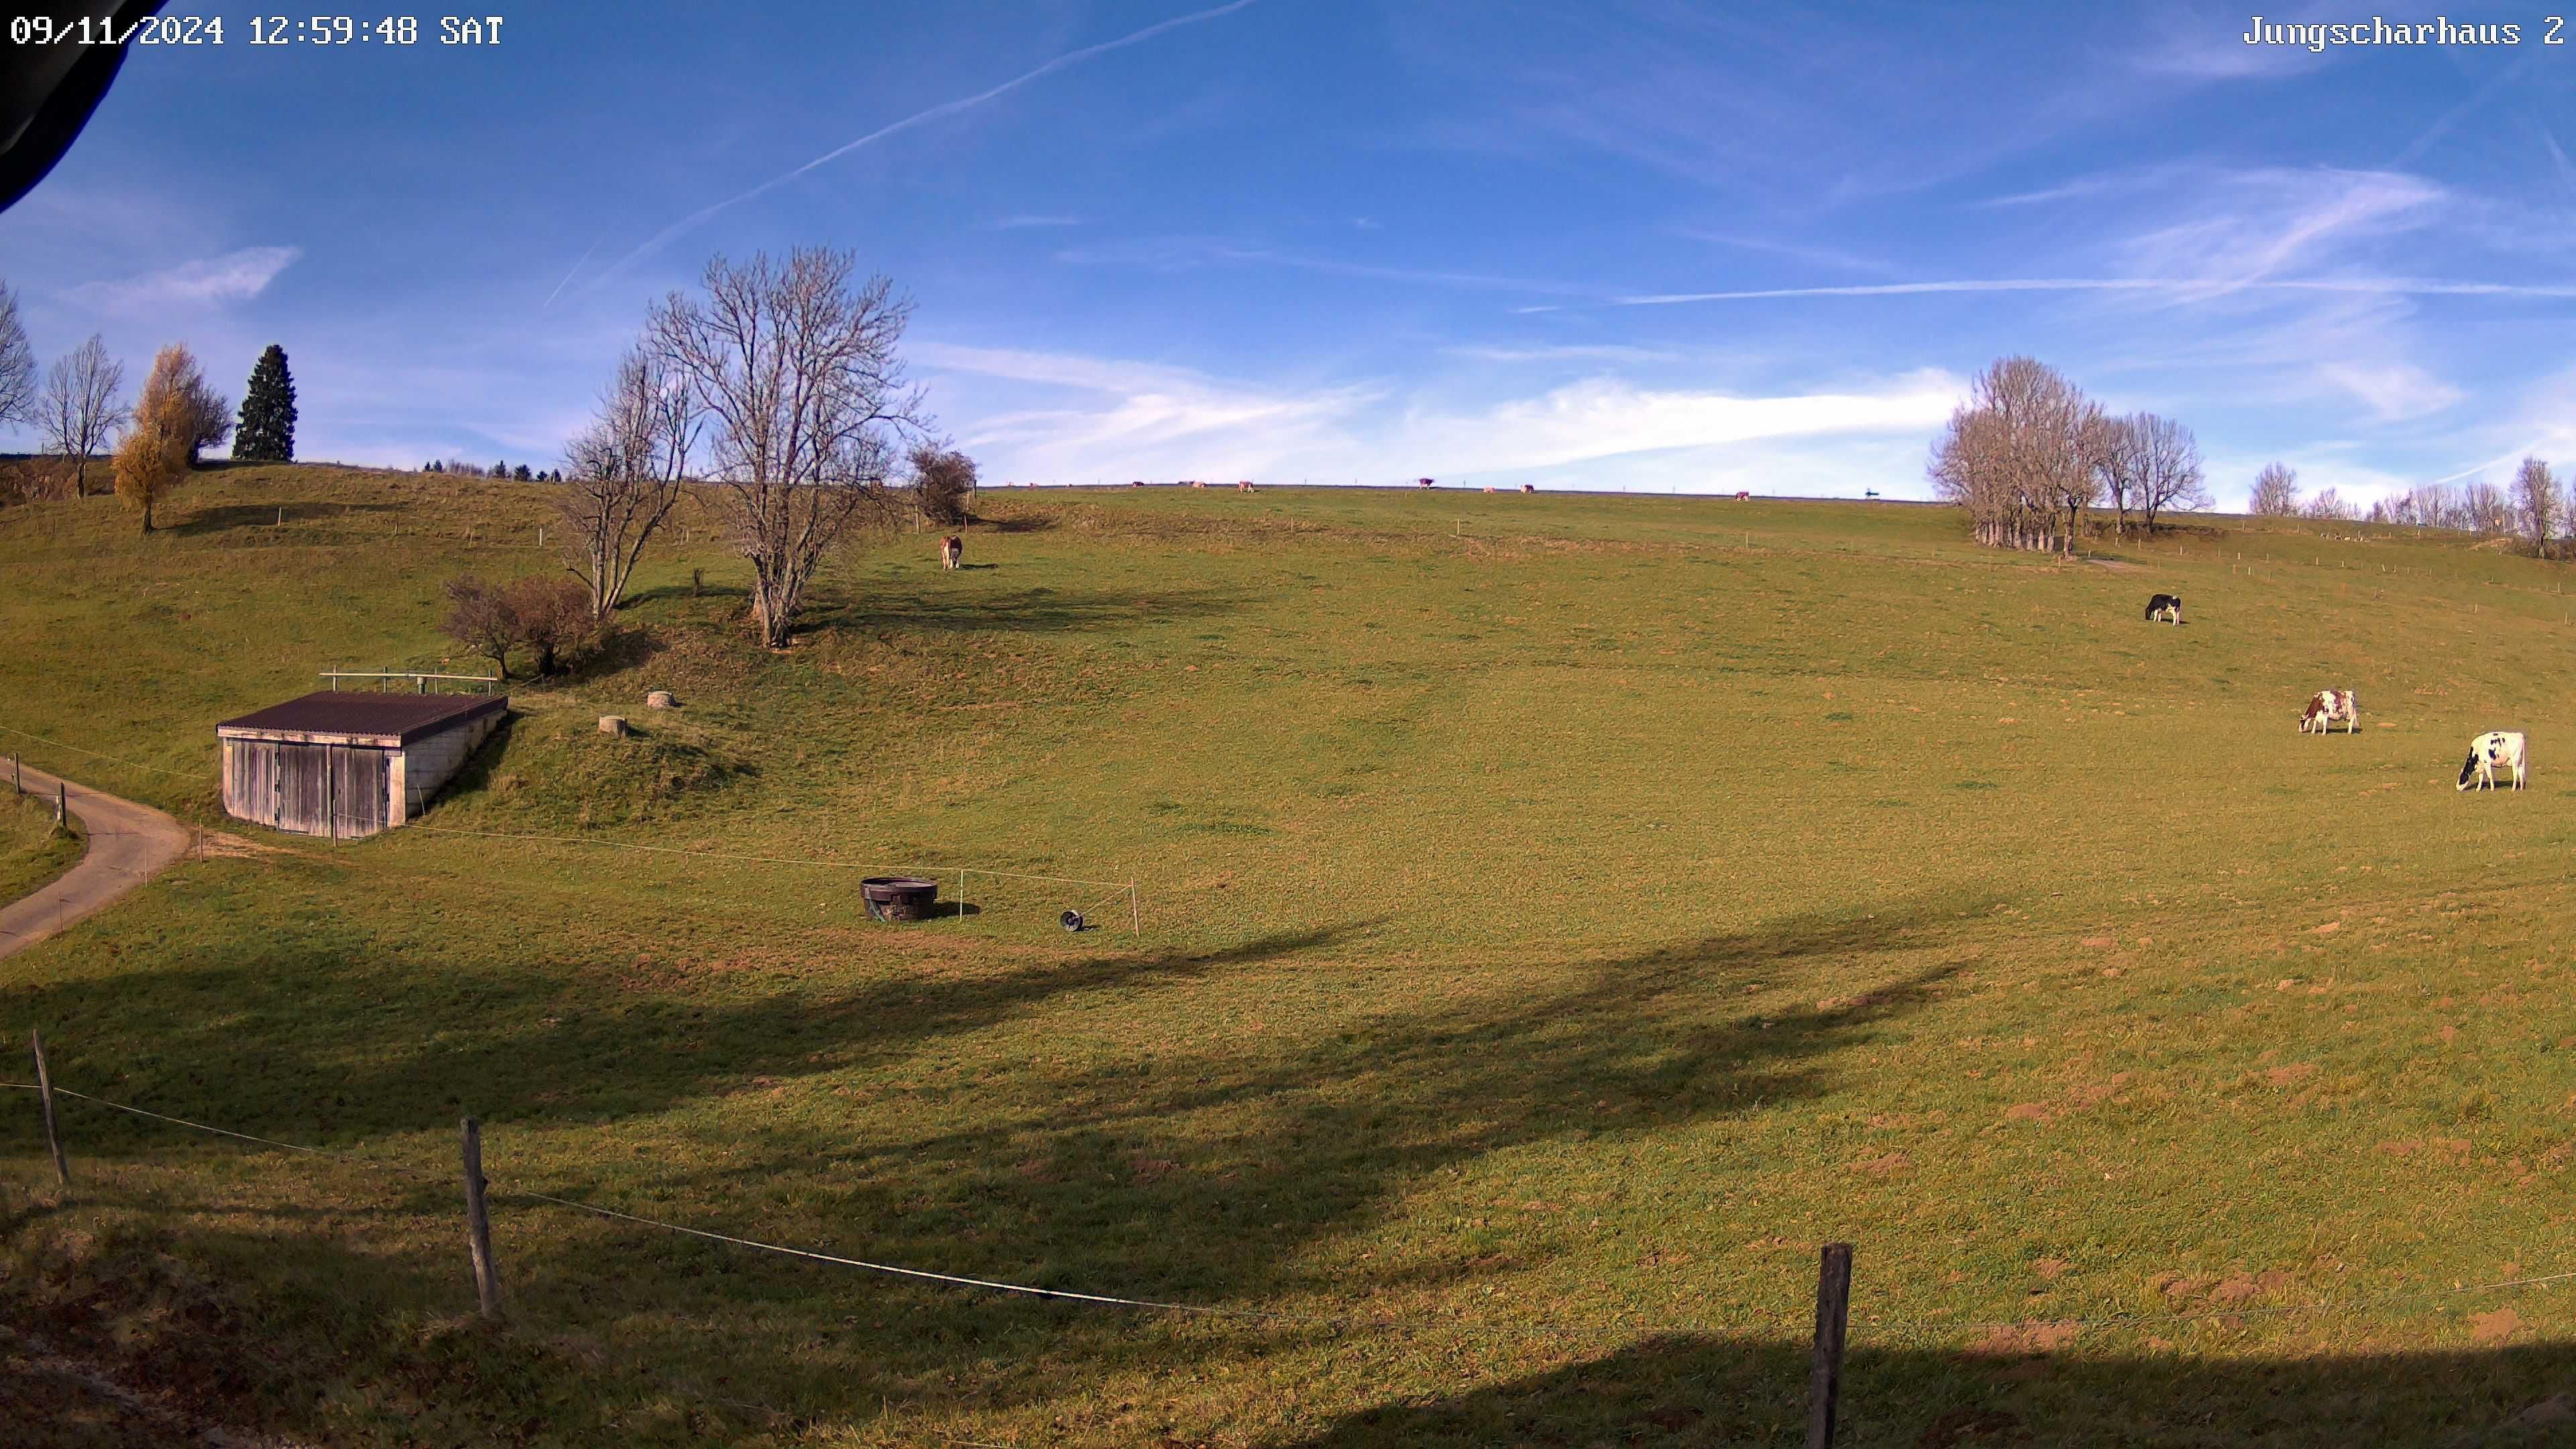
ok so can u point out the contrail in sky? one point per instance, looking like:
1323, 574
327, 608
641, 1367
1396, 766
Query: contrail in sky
2369, 286
945, 108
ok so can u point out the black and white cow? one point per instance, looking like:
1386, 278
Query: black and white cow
2489, 752
2332, 707
2167, 607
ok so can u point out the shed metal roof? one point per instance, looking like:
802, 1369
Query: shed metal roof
399, 717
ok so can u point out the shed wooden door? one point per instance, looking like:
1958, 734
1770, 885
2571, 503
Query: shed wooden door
358, 780
314, 789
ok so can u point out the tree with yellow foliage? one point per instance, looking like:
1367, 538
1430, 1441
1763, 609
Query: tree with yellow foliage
160, 449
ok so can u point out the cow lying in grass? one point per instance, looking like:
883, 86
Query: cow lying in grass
2332, 707
2167, 607
952, 551
2490, 751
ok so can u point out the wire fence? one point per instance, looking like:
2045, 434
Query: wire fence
1936, 1326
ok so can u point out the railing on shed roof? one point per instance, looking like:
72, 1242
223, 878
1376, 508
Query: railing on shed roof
420, 682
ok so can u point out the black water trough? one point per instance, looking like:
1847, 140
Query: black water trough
898, 897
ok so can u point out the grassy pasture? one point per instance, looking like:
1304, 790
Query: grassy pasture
1561, 914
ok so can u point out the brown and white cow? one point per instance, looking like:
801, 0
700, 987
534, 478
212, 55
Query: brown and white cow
2329, 708
952, 551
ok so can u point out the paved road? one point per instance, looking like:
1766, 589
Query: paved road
128, 845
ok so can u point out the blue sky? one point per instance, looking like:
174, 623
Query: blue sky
1608, 245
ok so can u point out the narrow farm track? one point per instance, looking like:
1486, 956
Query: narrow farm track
128, 845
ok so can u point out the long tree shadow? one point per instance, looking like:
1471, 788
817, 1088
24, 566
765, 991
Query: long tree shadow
1711, 1390
1032, 610
225, 517
1203, 1174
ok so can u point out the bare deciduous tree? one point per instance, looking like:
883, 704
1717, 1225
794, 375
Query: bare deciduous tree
2022, 456
626, 472
81, 413
17, 364
2276, 492
2329, 506
2169, 472
797, 373
552, 617
479, 617
2537, 503
2485, 510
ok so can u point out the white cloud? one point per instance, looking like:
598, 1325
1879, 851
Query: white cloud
227, 278
1147, 420
1605, 417
2396, 391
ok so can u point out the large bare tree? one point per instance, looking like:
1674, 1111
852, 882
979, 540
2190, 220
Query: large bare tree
2276, 492
626, 473
81, 412
796, 371
2485, 509
17, 364
2021, 456
2168, 463
2536, 503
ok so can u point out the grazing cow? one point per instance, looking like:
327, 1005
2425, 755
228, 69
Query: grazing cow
2167, 607
1529, 488
952, 551
1243, 487
1743, 496
2489, 751
2329, 708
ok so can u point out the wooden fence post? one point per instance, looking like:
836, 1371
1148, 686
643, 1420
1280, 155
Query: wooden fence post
1833, 1316
18, 772
62, 806
478, 1225
45, 1094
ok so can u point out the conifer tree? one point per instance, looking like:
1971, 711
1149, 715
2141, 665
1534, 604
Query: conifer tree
267, 431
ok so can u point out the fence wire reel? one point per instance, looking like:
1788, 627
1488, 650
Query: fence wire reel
1073, 921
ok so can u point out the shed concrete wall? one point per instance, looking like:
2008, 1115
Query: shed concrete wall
423, 767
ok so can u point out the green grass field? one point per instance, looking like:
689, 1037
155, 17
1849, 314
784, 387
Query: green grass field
1560, 915
32, 851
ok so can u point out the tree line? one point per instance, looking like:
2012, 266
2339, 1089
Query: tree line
78, 406
2029, 453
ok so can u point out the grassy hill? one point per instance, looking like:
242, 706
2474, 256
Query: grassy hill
1559, 915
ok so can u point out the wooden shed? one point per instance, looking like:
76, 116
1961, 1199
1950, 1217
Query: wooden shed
345, 764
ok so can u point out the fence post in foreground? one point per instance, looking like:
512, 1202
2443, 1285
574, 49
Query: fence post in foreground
1833, 1315
62, 806
478, 1225
1135, 912
45, 1094
18, 772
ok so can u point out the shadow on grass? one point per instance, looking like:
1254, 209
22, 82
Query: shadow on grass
1710, 1390
225, 517
1037, 610
1205, 1171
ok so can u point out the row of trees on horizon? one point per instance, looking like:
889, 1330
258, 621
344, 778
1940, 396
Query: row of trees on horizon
78, 407
2028, 454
